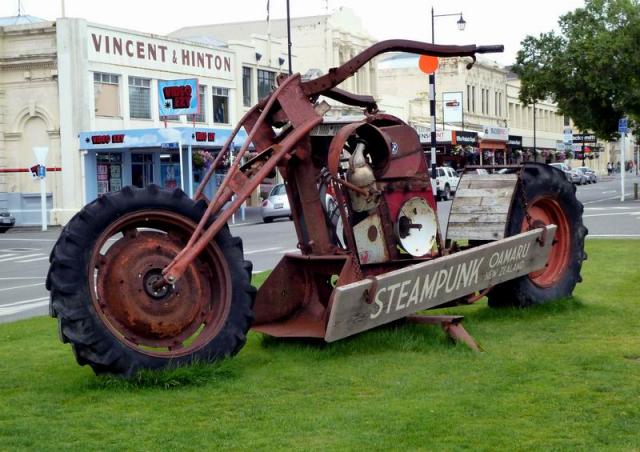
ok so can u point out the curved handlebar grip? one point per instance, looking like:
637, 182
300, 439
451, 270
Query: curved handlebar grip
490, 49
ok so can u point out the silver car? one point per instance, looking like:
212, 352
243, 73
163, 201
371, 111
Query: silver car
276, 205
7, 221
590, 174
577, 177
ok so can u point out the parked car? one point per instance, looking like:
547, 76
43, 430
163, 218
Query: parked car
276, 205
566, 169
446, 182
577, 177
590, 174
7, 221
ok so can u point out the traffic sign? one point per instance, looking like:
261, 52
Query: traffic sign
622, 125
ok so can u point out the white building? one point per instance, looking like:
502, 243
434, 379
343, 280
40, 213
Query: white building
404, 91
318, 43
90, 93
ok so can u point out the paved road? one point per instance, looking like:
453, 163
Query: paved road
24, 255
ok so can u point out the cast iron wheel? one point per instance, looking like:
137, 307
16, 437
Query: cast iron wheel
551, 200
104, 275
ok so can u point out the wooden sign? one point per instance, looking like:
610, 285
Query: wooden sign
429, 284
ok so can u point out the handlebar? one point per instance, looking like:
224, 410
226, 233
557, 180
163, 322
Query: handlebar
339, 74
490, 49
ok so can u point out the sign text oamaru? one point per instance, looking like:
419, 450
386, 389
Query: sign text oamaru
429, 284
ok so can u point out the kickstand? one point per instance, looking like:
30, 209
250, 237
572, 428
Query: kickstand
451, 324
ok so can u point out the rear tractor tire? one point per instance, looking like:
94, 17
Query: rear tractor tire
105, 292
551, 199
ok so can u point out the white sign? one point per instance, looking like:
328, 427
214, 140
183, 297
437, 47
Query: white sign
452, 107
128, 49
495, 133
442, 136
568, 135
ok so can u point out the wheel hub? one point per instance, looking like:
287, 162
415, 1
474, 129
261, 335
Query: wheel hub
155, 285
138, 305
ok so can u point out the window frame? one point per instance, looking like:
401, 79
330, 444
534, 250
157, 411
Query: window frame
138, 83
107, 78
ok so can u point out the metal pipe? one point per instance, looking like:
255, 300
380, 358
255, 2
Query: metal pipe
176, 268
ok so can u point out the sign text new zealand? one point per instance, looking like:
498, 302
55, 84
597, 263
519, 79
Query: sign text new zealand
429, 284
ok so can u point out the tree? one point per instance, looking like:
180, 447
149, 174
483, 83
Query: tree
590, 69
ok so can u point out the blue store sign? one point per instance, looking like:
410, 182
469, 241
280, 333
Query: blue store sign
178, 97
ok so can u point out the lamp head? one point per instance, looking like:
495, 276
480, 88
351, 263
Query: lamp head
461, 23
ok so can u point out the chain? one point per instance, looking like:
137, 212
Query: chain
522, 197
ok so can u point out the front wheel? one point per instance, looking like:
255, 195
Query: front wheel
550, 200
106, 292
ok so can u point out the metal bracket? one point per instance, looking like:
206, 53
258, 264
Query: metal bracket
451, 324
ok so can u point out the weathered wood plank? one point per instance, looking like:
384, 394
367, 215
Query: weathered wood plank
478, 218
488, 182
490, 201
471, 231
480, 209
505, 192
429, 284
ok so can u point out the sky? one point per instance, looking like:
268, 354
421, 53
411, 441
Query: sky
488, 21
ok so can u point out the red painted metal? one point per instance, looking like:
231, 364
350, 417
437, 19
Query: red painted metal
27, 170
545, 211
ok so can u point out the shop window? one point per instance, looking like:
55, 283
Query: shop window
246, 86
141, 169
109, 172
199, 117
170, 170
468, 97
220, 105
139, 98
106, 88
266, 82
473, 99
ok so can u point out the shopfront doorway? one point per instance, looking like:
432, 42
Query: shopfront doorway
141, 169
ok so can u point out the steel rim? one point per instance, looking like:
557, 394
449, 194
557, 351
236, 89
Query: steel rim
548, 211
162, 321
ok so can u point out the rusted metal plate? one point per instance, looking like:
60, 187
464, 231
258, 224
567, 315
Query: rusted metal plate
429, 284
480, 209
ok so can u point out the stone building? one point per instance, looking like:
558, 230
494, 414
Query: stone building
89, 92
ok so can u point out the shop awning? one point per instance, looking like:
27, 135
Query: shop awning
202, 137
493, 144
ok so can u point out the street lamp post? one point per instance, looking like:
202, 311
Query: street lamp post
432, 87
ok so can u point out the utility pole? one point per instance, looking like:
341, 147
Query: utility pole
289, 36
432, 88
535, 158
623, 168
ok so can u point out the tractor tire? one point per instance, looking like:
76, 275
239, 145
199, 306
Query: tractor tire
550, 199
103, 279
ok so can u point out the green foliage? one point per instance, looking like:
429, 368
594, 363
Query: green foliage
590, 68
563, 376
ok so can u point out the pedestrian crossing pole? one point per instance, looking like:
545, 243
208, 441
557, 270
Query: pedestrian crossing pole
432, 111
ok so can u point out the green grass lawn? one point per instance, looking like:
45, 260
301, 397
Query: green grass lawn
562, 376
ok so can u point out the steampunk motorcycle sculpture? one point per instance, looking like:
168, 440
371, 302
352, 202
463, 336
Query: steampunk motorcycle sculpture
148, 278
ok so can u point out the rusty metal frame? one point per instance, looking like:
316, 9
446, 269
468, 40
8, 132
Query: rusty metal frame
291, 105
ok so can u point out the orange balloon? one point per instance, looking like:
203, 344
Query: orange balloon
428, 64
